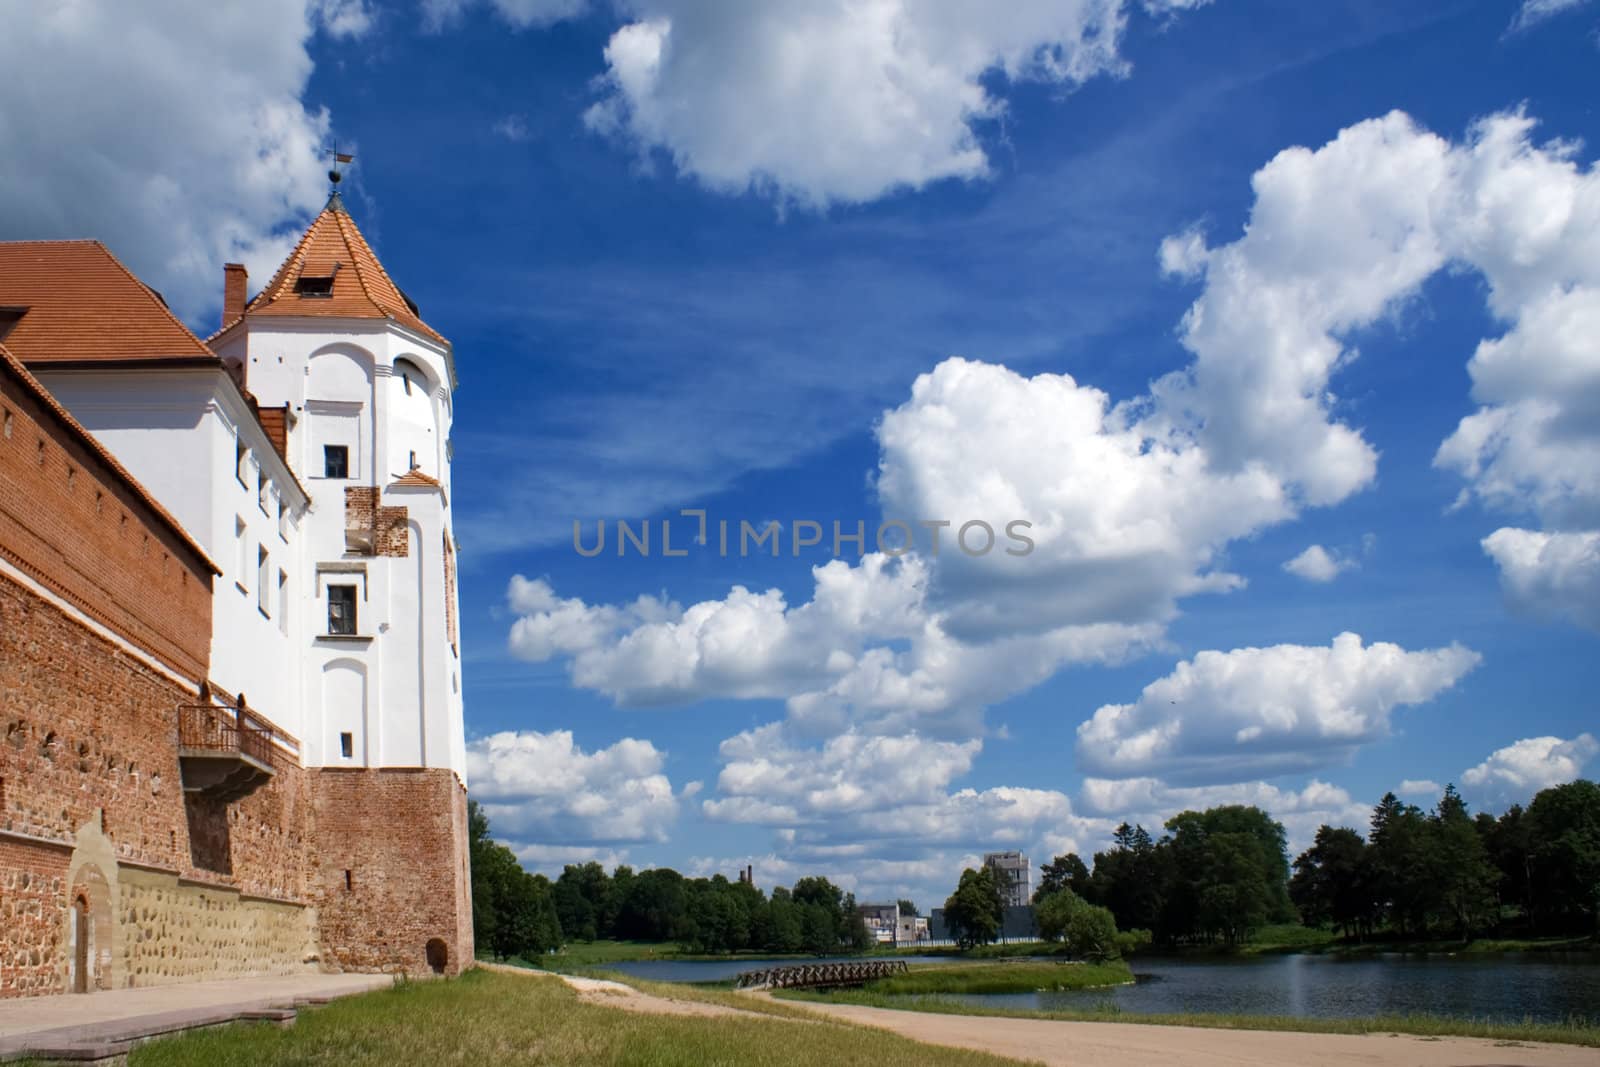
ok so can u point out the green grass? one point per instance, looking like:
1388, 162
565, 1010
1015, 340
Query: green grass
1576, 1031
1002, 978
485, 1018
580, 954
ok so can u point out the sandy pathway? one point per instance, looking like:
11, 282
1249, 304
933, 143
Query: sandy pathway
1134, 1045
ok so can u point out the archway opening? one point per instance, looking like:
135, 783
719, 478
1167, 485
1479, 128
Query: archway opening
438, 956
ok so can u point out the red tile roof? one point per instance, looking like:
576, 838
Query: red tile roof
416, 477
74, 428
82, 304
361, 289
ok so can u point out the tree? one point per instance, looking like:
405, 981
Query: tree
908, 908
1463, 877
1052, 913
1063, 872
1564, 825
1401, 867
974, 911
513, 911
1331, 883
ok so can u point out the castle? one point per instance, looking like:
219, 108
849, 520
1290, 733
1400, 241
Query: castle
230, 669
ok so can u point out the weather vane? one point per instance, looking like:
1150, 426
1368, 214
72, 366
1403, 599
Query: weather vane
334, 174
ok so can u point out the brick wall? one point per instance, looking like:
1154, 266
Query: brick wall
383, 528
401, 835
87, 727
33, 892
74, 524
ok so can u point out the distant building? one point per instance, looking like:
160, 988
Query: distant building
887, 926
1012, 872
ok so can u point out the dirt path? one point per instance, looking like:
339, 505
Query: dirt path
609, 994
1135, 1045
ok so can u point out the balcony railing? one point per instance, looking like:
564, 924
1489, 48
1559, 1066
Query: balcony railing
217, 729
224, 752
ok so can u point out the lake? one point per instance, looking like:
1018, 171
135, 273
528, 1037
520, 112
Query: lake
1548, 987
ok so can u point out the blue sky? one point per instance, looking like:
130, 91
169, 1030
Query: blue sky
698, 255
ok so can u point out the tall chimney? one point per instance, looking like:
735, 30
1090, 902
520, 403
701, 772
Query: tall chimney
234, 283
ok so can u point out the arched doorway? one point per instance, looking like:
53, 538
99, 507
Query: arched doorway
80, 944
438, 956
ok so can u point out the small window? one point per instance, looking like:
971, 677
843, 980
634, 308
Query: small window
261, 492
413, 461
243, 546
283, 601
406, 380
336, 461
342, 610
347, 749
316, 285
240, 455
263, 587
349, 883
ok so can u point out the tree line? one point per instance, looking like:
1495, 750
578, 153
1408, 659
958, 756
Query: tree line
1446, 873
516, 913
1217, 876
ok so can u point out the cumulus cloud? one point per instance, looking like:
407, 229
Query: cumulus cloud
1151, 802
1317, 564
839, 102
203, 151
1419, 787
541, 789
1260, 712
1512, 775
1549, 575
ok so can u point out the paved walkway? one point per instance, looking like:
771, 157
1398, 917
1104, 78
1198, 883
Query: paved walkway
1074, 1044
111, 1022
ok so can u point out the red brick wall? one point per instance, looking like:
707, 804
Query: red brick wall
386, 526
33, 892
70, 522
401, 834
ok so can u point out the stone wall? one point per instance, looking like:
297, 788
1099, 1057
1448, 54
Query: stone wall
169, 930
390, 871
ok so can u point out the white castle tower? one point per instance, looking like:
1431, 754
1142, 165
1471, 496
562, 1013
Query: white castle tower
363, 388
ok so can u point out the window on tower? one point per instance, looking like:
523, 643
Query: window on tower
342, 610
336, 461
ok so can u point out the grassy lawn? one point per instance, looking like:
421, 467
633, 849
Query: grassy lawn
1002, 978
1575, 1032
508, 1019
589, 954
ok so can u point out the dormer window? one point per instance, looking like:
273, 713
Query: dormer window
316, 281
9, 317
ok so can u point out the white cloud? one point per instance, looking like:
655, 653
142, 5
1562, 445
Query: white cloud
1260, 712
1419, 787
1533, 12
344, 18
1549, 575
1512, 775
175, 133
542, 789
846, 101
549, 860
520, 14
1150, 802
1317, 564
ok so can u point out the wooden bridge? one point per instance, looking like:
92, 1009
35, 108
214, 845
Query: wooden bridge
799, 976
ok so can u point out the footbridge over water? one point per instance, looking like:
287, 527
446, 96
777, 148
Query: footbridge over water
804, 975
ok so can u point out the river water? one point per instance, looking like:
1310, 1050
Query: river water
1547, 987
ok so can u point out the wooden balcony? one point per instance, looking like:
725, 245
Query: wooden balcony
225, 754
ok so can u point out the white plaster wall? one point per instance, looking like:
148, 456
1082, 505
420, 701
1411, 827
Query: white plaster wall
177, 433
